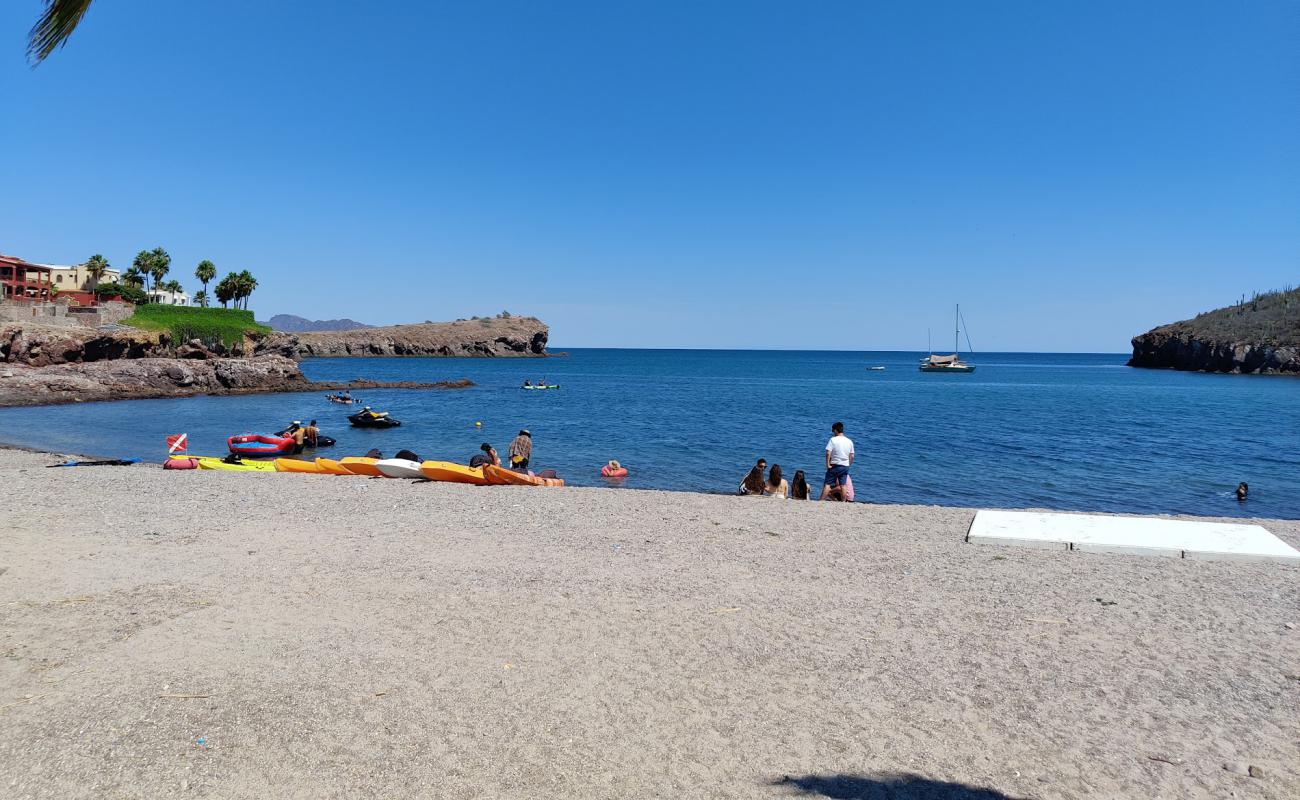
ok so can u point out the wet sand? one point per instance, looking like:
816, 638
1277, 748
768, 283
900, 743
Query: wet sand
239, 635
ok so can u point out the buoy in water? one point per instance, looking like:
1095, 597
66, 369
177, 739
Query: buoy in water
478, 424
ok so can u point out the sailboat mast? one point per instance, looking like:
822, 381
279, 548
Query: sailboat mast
956, 334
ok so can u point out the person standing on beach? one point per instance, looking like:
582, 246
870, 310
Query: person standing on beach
839, 457
521, 450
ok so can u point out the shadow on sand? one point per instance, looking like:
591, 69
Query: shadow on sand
885, 787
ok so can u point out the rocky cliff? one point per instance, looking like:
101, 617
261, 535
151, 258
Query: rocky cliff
495, 337
1260, 335
121, 379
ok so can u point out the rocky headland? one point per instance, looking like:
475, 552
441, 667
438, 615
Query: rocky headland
1260, 336
41, 365
489, 337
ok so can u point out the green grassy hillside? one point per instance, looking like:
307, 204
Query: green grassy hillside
210, 325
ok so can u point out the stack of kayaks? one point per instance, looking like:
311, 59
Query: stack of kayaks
444, 471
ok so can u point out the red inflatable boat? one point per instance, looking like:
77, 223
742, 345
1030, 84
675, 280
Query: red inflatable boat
258, 445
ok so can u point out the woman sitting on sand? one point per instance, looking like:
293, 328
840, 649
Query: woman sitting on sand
799, 487
776, 485
753, 484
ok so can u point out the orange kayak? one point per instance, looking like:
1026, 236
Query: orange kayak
332, 467
500, 476
361, 466
453, 473
297, 465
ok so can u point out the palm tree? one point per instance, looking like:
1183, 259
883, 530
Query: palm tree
96, 266
54, 27
205, 272
133, 276
201, 298
226, 289
159, 264
246, 283
143, 266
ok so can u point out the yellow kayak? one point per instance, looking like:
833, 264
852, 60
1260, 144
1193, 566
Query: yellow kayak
361, 466
212, 462
331, 467
453, 473
298, 465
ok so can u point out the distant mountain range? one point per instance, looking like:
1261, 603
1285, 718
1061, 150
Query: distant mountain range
291, 323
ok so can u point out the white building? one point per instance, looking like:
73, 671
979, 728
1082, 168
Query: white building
169, 298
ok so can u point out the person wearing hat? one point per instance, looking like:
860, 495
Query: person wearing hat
521, 450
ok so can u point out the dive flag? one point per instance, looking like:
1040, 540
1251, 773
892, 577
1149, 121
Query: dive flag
176, 444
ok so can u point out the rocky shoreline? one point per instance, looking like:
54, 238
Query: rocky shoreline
148, 378
496, 337
44, 365
1181, 350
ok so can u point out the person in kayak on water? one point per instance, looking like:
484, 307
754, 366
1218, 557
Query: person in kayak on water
528, 384
521, 450
488, 456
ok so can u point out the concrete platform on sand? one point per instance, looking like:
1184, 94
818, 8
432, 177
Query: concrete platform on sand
1097, 533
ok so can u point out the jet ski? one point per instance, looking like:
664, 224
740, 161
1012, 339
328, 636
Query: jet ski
365, 418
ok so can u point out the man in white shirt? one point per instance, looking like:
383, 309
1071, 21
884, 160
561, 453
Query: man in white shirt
839, 457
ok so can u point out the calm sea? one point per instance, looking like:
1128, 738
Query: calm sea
1079, 432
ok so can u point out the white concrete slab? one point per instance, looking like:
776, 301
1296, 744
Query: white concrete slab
1132, 535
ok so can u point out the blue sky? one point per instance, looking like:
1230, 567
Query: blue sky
831, 175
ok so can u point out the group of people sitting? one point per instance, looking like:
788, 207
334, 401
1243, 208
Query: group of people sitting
837, 485
775, 484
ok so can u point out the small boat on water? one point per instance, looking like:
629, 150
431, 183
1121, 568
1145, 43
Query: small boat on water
875, 369
549, 386
952, 363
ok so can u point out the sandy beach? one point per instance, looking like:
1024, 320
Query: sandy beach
236, 635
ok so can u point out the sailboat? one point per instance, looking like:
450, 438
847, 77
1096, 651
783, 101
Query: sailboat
950, 363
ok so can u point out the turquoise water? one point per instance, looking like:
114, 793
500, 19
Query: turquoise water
1079, 432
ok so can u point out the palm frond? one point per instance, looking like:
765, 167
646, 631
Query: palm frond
54, 27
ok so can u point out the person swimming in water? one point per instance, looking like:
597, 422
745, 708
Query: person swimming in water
1242, 491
